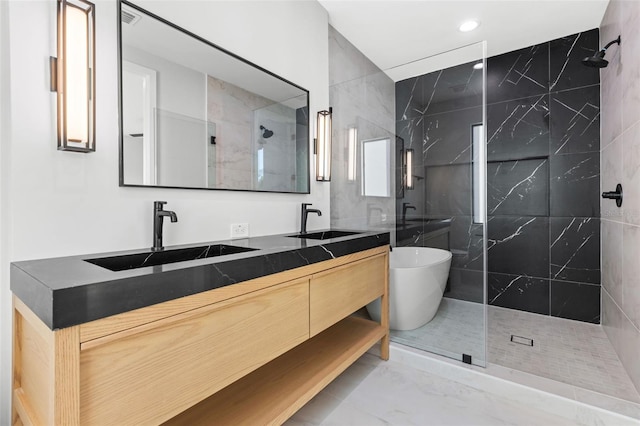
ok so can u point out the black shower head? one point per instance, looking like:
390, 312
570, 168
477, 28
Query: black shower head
598, 60
266, 133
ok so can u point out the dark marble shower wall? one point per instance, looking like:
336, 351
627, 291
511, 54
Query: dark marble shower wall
543, 142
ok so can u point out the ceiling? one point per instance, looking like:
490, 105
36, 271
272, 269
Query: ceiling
395, 32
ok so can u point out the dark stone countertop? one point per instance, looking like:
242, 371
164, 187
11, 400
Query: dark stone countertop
68, 291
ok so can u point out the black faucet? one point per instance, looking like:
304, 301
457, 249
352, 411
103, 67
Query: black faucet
158, 215
305, 214
405, 207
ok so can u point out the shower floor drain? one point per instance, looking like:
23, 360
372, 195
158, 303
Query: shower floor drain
521, 340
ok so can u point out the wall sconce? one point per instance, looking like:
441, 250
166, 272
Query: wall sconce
323, 146
352, 150
408, 169
73, 75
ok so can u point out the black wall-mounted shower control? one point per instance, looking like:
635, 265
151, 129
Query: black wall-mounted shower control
614, 195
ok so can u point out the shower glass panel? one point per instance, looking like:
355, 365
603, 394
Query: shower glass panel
441, 192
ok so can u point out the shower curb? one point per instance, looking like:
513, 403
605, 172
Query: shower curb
489, 380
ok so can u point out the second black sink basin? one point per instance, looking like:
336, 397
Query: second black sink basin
324, 235
140, 260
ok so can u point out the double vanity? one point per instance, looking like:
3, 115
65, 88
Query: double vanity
232, 332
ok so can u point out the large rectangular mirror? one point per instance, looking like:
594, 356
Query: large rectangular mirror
194, 115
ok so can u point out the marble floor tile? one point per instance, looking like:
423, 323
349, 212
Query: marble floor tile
396, 394
458, 328
571, 352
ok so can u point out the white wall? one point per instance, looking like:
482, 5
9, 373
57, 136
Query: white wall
5, 150
60, 203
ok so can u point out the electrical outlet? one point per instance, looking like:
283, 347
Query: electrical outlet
239, 230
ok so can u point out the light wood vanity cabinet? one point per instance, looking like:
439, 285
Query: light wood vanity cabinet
249, 353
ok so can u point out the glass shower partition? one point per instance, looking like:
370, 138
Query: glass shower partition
441, 191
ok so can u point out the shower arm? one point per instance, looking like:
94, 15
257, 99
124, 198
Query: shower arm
610, 43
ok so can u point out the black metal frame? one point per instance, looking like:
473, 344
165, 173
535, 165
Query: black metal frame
215, 46
58, 68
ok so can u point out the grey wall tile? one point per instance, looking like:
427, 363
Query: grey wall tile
611, 174
631, 174
631, 273
612, 258
629, 48
624, 336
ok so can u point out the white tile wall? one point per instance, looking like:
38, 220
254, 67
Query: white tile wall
620, 162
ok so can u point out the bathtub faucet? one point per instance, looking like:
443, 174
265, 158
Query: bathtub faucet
405, 207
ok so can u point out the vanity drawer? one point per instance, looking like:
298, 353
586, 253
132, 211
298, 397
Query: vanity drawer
340, 291
158, 370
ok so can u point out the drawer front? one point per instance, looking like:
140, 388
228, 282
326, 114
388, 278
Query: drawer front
337, 293
150, 376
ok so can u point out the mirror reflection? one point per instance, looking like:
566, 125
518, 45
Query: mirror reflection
196, 116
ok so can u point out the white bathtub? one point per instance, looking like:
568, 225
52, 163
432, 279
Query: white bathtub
417, 279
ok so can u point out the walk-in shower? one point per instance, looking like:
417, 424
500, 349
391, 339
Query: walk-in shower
499, 165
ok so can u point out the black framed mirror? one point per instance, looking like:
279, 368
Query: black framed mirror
194, 115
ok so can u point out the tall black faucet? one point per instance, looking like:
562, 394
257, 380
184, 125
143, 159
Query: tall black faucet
405, 207
158, 215
305, 214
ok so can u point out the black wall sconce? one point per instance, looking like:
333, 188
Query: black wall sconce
323, 146
73, 75
352, 152
408, 169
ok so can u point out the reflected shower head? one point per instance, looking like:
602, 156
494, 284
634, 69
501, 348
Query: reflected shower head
266, 133
598, 60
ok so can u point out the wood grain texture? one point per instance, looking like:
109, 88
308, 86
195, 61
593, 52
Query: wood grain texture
113, 324
273, 393
65, 383
337, 293
32, 371
384, 312
16, 369
45, 371
148, 365
153, 375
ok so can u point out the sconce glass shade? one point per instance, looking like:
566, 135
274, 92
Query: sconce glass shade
73, 75
408, 169
352, 148
323, 146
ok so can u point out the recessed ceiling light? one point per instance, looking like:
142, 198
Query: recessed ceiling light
478, 66
468, 26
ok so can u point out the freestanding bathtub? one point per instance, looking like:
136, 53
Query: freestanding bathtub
417, 279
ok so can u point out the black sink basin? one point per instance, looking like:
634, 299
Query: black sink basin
141, 260
324, 235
